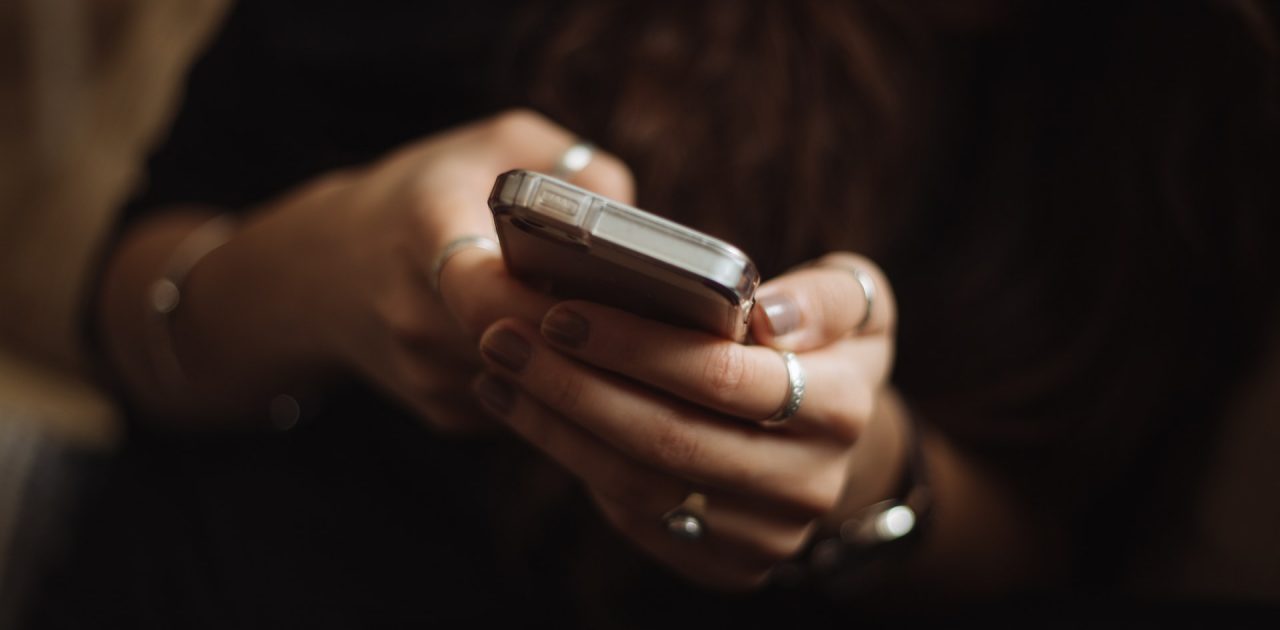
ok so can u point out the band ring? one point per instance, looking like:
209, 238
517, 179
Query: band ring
455, 246
868, 292
795, 390
687, 520
573, 160
868, 286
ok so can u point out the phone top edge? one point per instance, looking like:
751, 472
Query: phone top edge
587, 216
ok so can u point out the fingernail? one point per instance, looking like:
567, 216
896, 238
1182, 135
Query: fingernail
507, 349
495, 394
780, 313
565, 327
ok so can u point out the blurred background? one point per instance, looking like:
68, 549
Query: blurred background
85, 89
110, 107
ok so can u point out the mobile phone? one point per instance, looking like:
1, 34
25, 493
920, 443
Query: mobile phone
580, 245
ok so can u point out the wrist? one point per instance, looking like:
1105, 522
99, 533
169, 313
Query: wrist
165, 295
865, 531
222, 318
884, 510
881, 459
249, 324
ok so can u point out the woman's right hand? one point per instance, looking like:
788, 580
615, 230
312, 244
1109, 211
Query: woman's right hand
337, 274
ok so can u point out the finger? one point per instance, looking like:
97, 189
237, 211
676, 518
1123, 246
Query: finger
746, 535
478, 291
817, 304
750, 535
526, 139
666, 433
706, 566
748, 382
449, 177
435, 391
514, 139
720, 559
605, 469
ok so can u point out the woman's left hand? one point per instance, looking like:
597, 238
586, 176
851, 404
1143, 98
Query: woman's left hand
645, 413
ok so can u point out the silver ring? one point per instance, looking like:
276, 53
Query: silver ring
455, 246
795, 390
868, 292
685, 521
573, 160
867, 285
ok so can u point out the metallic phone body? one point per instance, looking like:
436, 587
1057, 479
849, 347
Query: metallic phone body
577, 244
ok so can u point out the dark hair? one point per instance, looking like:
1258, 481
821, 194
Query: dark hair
1075, 203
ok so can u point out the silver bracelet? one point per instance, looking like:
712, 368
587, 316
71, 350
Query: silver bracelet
164, 296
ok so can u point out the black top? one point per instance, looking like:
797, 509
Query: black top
360, 517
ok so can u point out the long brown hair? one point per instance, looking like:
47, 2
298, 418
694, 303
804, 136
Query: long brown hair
1075, 204
732, 122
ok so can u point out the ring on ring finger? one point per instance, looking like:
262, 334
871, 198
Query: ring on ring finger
687, 521
452, 248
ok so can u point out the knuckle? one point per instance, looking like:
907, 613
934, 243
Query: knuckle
473, 317
566, 393
514, 124
846, 428
420, 189
674, 446
613, 177
855, 412
474, 312
861, 407
850, 259
783, 545
403, 324
832, 301
886, 303
625, 488
407, 329
820, 494
725, 371
417, 382
537, 429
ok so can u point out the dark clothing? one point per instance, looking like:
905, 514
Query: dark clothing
361, 517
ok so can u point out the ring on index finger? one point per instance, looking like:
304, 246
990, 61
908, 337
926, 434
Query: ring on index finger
573, 160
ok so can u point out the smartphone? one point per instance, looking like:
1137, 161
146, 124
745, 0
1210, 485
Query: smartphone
579, 245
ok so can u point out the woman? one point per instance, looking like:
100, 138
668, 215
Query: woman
1056, 221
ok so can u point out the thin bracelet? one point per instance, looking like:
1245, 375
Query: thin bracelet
164, 296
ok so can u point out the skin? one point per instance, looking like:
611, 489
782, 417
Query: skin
333, 279
641, 449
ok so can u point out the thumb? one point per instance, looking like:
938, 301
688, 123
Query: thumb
814, 305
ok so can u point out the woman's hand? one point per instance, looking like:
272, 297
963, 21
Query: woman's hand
645, 413
337, 275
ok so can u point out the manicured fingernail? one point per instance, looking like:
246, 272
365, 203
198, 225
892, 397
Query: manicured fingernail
565, 327
780, 313
495, 394
507, 349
